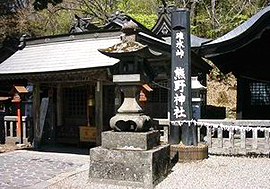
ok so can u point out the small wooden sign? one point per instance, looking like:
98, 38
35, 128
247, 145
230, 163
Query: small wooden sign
87, 134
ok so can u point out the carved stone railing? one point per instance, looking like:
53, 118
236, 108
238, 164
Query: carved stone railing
235, 137
164, 124
230, 137
10, 125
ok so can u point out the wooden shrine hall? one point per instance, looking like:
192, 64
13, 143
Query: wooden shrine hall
244, 51
73, 95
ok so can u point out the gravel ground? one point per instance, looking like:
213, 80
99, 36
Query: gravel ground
214, 172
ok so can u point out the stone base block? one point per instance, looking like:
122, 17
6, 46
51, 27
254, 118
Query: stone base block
130, 140
190, 153
129, 168
15, 140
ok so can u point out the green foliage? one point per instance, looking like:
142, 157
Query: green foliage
51, 22
144, 12
210, 18
147, 20
149, 7
214, 21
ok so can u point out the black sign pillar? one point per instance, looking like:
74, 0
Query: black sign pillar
181, 108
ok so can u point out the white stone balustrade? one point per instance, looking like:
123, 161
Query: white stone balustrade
230, 137
10, 124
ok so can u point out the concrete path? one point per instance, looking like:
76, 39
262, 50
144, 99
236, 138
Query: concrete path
32, 169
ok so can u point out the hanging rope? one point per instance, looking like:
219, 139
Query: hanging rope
220, 125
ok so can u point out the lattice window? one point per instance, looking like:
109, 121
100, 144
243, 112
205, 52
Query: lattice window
159, 95
158, 101
75, 99
260, 93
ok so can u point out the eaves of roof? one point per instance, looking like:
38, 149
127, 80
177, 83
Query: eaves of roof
238, 37
165, 47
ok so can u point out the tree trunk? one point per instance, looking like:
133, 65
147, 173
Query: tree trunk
213, 6
193, 12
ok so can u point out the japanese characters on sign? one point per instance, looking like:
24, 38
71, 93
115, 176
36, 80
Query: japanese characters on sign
179, 97
180, 44
179, 79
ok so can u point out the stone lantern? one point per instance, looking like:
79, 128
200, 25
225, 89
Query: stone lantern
18, 93
198, 97
131, 153
130, 76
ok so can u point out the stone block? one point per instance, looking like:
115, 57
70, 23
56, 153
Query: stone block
129, 167
130, 140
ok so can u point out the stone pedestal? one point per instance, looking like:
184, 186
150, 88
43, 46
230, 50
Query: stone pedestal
130, 140
130, 159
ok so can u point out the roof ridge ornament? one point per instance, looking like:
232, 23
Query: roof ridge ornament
117, 15
129, 30
130, 25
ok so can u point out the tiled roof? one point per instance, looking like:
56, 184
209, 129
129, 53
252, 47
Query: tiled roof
60, 56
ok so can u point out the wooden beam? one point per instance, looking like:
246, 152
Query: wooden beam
51, 111
99, 111
36, 112
59, 102
240, 93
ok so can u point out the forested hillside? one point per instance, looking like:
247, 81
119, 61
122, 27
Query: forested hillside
209, 18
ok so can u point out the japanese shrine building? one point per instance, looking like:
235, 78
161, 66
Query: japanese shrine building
76, 79
244, 51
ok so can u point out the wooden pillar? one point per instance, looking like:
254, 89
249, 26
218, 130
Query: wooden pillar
59, 105
99, 111
19, 123
51, 111
181, 109
36, 112
239, 99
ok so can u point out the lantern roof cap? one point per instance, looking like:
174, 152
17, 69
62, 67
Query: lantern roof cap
19, 89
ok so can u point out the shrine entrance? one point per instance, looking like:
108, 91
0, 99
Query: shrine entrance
78, 116
253, 99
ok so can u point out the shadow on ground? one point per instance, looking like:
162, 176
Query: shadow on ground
63, 148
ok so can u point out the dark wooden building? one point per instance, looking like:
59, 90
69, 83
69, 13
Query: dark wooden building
244, 51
